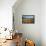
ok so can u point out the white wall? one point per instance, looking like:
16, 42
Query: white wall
24, 10
6, 13
43, 22
31, 31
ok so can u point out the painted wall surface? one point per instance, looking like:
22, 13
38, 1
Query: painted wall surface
43, 22
6, 13
30, 31
6, 16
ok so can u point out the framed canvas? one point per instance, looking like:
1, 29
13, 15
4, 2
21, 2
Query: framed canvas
28, 19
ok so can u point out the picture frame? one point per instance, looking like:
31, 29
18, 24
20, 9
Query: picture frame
28, 19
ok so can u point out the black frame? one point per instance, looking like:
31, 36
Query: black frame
28, 19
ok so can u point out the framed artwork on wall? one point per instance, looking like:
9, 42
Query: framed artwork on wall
28, 19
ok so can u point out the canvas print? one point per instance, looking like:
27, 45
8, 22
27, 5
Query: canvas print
28, 19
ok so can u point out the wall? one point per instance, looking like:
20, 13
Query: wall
6, 13
43, 22
30, 31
